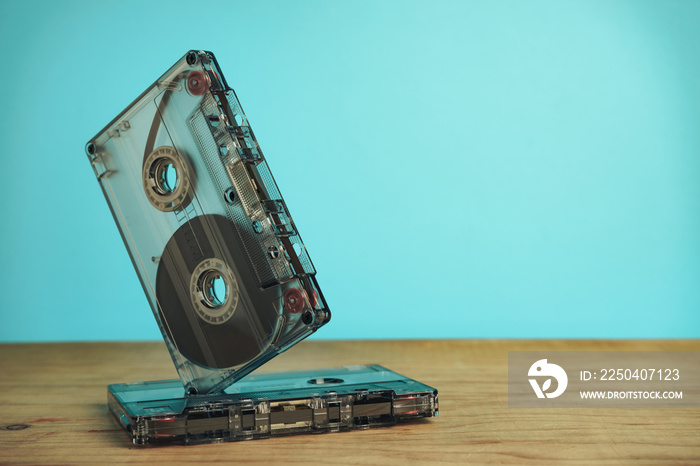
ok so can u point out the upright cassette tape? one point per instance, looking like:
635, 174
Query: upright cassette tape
218, 254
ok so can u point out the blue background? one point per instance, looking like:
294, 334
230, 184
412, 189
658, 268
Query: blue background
456, 169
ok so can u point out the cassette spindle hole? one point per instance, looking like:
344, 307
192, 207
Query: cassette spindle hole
166, 176
166, 180
214, 289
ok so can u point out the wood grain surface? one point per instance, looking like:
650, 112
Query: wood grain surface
59, 392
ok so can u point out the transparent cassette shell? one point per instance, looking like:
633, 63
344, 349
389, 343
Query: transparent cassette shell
219, 257
271, 404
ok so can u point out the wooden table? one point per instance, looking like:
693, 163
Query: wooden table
59, 391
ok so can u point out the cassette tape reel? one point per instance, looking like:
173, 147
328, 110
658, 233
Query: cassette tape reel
219, 257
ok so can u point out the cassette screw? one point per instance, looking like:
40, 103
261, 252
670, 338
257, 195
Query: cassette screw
90, 149
307, 317
274, 252
191, 58
257, 227
191, 391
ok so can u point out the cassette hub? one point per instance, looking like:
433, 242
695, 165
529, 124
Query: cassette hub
166, 179
214, 291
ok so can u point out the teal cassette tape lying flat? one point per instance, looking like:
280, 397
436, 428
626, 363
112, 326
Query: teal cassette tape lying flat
271, 404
